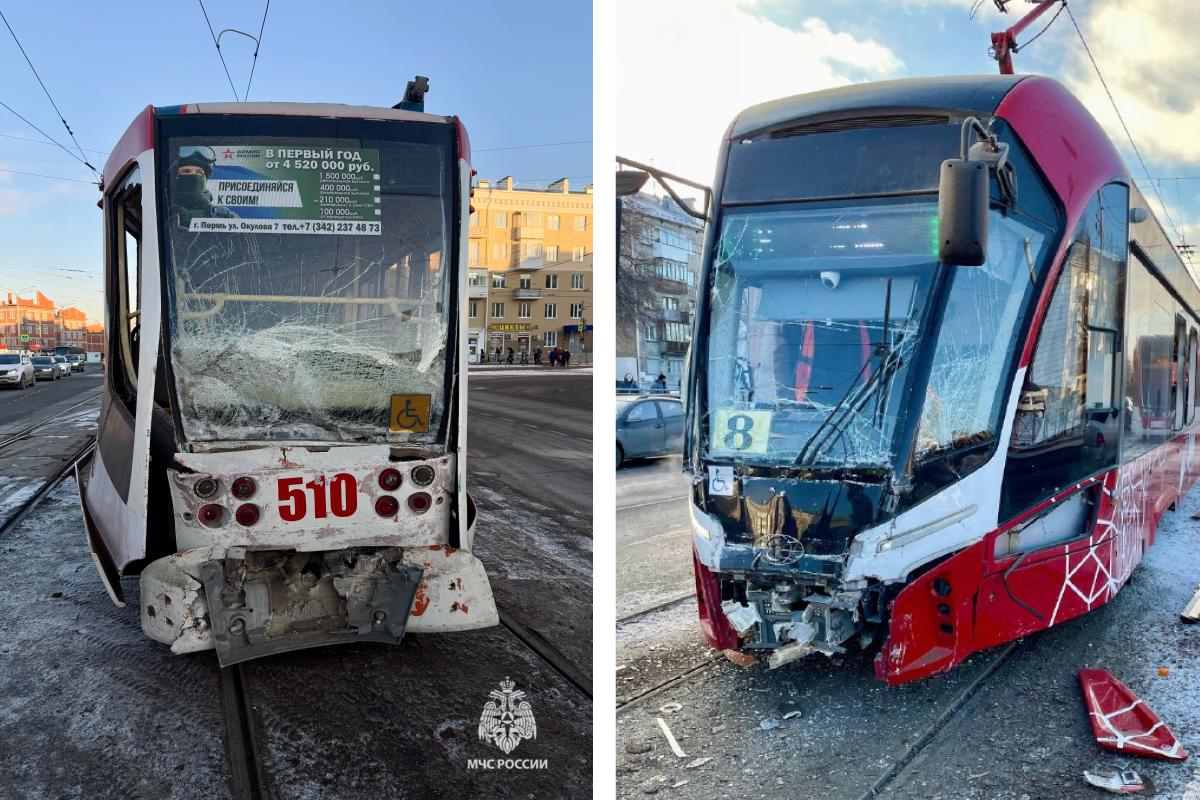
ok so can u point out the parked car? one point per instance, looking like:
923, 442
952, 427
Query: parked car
64, 366
76, 361
648, 426
45, 368
16, 370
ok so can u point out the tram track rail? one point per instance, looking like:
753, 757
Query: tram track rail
61, 474
7, 439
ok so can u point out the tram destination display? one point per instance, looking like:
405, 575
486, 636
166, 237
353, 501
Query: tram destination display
277, 188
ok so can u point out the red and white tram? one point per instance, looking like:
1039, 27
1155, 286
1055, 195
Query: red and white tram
282, 442
932, 407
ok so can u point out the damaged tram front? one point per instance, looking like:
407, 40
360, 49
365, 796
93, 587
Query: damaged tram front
917, 418
281, 445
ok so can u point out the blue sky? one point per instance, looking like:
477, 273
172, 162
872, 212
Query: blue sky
517, 73
740, 52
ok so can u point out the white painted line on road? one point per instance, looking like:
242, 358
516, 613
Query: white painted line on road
652, 502
672, 532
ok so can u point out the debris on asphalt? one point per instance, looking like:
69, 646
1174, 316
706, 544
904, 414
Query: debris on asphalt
680, 783
1163, 672
1125, 781
740, 658
1123, 722
717, 729
978, 775
1191, 612
791, 714
675, 748
637, 748
699, 762
671, 708
769, 724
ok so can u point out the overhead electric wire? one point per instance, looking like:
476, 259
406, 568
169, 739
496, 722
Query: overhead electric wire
217, 45
257, 44
1121, 118
1032, 39
49, 138
39, 141
528, 146
51, 177
41, 83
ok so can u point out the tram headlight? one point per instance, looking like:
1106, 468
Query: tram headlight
243, 488
390, 480
247, 514
420, 502
423, 475
212, 515
205, 487
387, 506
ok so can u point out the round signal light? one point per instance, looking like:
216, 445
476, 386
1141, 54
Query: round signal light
247, 514
243, 488
212, 515
423, 475
390, 480
419, 502
387, 506
205, 487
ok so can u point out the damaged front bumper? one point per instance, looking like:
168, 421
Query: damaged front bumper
253, 603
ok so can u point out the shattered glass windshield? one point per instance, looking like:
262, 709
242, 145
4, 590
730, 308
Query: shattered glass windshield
813, 325
815, 315
309, 277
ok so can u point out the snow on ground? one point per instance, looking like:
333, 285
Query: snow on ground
14, 491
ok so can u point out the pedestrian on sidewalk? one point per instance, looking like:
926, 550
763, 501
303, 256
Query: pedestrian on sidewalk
524, 356
510, 355
558, 352
566, 357
497, 354
553, 358
537, 357
660, 382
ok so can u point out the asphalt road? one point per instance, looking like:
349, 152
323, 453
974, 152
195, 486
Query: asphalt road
654, 541
91, 708
1009, 724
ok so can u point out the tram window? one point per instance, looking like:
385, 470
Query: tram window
1194, 362
1067, 421
125, 231
1179, 378
1148, 407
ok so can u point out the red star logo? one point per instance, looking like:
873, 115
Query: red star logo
228, 153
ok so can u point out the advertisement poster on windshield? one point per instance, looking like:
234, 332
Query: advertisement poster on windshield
314, 188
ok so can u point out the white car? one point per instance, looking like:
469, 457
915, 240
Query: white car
16, 370
64, 366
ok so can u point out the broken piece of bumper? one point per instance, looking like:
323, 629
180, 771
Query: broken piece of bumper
253, 603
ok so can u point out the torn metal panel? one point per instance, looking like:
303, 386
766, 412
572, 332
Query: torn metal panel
1122, 721
289, 600
276, 601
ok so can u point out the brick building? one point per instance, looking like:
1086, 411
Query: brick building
38, 324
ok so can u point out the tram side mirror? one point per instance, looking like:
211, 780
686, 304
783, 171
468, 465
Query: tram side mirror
963, 213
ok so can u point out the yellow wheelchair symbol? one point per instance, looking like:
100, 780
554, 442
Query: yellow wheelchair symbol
410, 413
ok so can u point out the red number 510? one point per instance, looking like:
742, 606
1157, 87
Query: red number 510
339, 495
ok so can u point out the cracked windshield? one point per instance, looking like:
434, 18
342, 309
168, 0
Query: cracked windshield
816, 323
311, 285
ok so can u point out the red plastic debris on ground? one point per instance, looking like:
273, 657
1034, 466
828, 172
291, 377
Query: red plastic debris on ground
1123, 722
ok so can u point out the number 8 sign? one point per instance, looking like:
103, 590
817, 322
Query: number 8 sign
737, 431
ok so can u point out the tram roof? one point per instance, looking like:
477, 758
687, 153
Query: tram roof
978, 94
336, 110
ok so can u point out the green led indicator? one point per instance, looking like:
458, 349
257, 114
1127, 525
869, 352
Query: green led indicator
933, 235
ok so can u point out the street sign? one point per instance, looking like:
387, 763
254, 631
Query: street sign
24, 338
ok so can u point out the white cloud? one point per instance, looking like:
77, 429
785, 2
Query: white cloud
685, 68
1147, 55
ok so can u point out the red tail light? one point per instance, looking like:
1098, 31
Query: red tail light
247, 514
390, 480
387, 506
419, 502
243, 488
212, 515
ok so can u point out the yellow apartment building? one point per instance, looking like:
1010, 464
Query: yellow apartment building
530, 261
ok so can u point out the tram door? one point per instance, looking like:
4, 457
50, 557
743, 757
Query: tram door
117, 489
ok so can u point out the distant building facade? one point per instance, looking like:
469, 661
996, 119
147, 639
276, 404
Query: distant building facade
659, 266
38, 324
530, 262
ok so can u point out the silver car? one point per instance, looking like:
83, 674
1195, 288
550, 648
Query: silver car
16, 370
648, 426
64, 366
